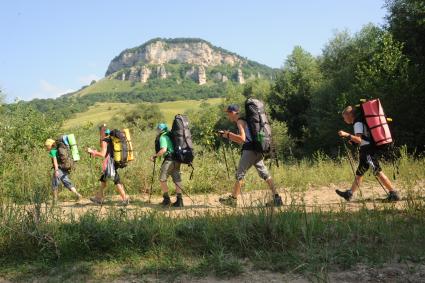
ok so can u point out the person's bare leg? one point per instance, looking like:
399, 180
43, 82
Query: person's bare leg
99, 194
178, 187
237, 188
385, 181
270, 182
55, 196
164, 186
121, 191
75, 192
356, 183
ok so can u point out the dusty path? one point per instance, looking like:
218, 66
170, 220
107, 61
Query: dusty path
323, 198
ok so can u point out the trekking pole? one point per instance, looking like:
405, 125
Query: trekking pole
186, 194
153, 179
351, 161
382, 186
225, 159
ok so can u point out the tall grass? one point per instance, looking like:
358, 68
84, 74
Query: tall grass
288, 240
20, 178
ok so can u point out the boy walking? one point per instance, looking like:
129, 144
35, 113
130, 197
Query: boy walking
61, 171
368, 157
249, 158
165, 148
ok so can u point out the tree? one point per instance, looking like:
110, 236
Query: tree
291, 95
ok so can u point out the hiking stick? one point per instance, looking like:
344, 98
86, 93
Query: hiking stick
225, 159
184, 192
382, 186
351, 161
153, 179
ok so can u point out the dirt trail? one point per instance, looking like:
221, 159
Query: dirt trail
323, 198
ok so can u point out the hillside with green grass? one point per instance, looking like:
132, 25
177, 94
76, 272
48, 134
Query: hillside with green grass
106, 111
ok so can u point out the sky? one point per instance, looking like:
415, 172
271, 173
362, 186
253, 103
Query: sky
50, 47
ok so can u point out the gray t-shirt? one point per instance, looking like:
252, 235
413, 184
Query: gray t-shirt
360, 128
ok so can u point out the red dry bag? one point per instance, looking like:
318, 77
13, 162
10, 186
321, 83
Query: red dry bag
376, 121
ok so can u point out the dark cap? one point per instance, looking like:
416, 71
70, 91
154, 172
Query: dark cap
233, 108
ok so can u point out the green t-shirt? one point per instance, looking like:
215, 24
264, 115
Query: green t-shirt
165, 141
53, 153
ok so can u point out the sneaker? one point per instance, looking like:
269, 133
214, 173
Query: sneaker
166, 202
230, 201
393, 196
96, 200
347, 195
277, 201
178, 203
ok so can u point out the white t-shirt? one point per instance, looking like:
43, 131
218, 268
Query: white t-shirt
360, 128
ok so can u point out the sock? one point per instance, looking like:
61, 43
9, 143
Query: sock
165, 195
350, 192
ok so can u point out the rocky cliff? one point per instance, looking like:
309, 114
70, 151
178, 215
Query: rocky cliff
182, 58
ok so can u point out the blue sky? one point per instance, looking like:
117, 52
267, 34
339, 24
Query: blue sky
50, 47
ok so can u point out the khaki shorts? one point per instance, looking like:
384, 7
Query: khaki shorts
170, 167
248, 159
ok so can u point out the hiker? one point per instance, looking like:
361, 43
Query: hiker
249, 157
165, 148
109, 168
62, 167
368, 156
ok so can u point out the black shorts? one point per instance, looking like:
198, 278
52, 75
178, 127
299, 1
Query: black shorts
368, 157
117, 179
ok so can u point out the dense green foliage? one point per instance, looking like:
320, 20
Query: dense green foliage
143, 117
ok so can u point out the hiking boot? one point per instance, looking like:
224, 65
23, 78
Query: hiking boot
277, 201
393, 196
166, 201
96, 200
347, 195
178, 203
229, 201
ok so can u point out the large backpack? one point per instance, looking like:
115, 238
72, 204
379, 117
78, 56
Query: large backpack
65, 160
121, 148
258, 125
182, 140
373, 116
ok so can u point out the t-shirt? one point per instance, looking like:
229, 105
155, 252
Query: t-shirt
247, 145
53, 153
110, 147
360, 128
165, 141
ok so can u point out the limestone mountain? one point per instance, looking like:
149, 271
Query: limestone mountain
182, 59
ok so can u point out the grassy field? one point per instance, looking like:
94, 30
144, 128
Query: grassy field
110, 86
103, 112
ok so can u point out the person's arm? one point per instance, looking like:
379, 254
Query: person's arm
161, 152
237, 138
101, 153
356, 139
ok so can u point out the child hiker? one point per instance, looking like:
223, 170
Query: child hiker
368, 157
249, 158
109, 168
62, 166
164, 148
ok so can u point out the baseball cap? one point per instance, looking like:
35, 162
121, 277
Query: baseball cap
233, 108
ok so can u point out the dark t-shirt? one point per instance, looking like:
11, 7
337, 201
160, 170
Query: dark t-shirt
110, 147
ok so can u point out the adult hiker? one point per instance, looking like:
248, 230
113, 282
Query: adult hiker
165, 148
109, 168
62, 165
368, 156
249, 157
